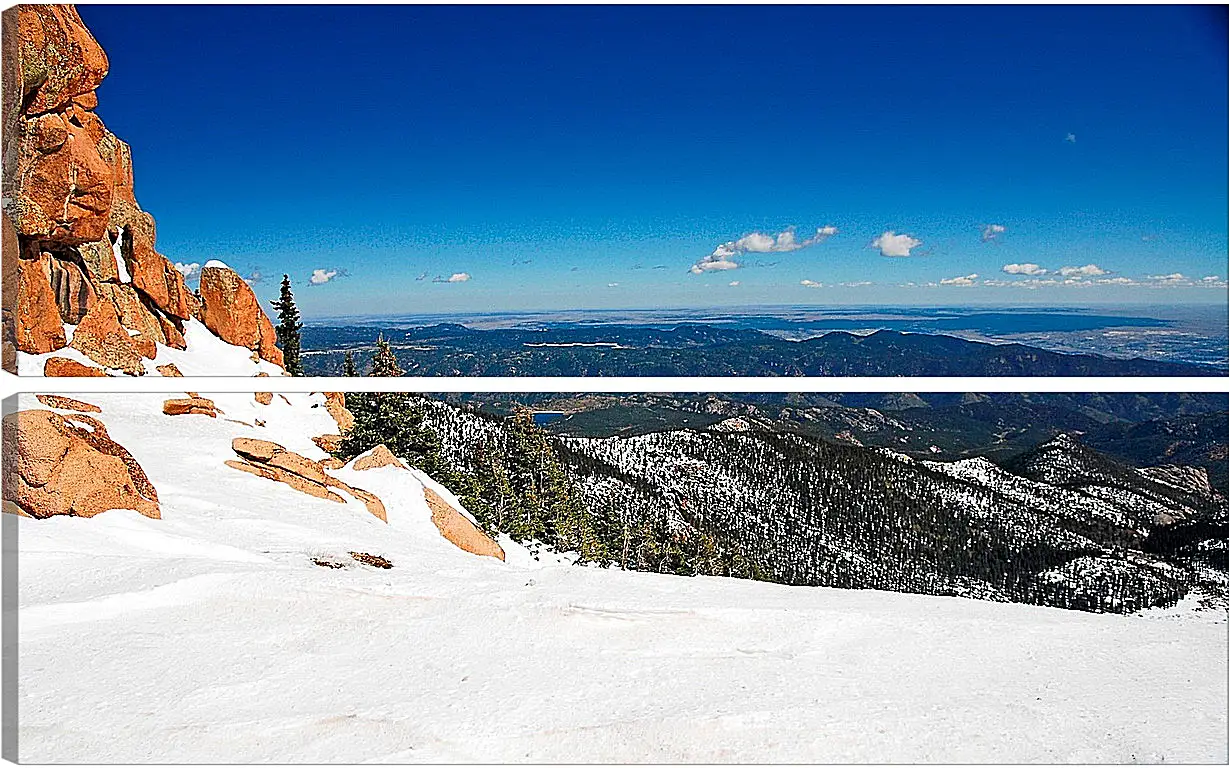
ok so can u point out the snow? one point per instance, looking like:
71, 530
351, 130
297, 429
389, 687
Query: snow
210, 636
117, 248
206, 355
215, 263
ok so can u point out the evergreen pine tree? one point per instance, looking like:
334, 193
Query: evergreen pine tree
385, 362
349, 368
288, 330
547, 507
488, 494
394, 419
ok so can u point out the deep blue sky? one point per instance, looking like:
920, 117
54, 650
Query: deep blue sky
557, 155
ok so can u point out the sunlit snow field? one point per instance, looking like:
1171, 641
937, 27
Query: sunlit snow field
210, 636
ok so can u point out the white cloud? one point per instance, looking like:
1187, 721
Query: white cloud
1070, 138
1177, 278
735, 283
963, 280
1024, 269
187, 270
811, 284
856, 284
722, 257
612, 285
783, 242
1088, 270
322, 276
456, 277
991, 231
1075, 281
713, 263
892, 244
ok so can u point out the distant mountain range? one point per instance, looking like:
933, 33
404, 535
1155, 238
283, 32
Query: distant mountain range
1138, 428
689, 349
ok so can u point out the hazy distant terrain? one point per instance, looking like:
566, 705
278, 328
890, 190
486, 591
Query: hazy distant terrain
1155, 341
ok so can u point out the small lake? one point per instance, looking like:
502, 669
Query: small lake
546, 417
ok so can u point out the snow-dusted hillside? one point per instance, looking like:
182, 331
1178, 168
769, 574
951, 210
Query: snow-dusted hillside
211, 635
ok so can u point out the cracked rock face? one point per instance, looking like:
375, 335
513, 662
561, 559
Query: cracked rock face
70, 209
68, 465
101, 338
231, 310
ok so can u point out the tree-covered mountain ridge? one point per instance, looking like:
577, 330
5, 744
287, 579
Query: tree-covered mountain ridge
1061, 525
707, 350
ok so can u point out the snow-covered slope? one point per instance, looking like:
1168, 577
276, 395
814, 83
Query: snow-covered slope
206, 355
211, 635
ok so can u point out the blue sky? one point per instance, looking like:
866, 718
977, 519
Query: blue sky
574, 157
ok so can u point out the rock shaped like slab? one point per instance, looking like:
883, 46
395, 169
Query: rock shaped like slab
67, 403
458, 529
62, 366
270, 460
190, 405
230, 309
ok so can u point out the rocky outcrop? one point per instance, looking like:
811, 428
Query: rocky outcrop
39, 328
58, 61
458, 529
328, 443
170, 369
271, 461
74, 235
190, 405
377, 457
335, 403
67, 404
62, 366
452, 525
74, 293
57, 465
232, 311
264, 398
101, 338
